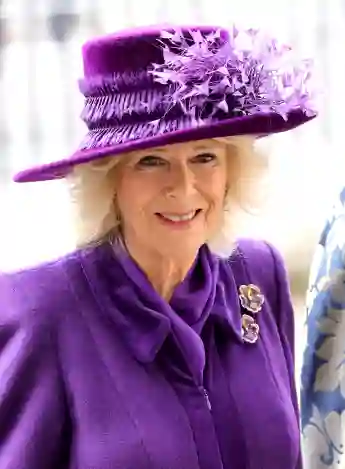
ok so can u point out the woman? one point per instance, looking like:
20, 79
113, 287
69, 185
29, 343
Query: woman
144, 348
323, 386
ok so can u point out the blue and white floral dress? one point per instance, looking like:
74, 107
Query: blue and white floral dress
323, 371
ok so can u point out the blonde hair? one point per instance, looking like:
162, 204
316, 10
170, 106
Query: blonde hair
92, 192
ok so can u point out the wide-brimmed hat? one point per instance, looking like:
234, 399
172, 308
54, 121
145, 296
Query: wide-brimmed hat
156, 86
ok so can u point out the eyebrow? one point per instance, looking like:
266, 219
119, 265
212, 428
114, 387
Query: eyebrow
195, 148
157, 149
204, 147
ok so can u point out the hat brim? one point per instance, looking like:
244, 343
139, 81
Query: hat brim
258, 125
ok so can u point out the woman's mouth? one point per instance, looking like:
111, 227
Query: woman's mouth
180, 219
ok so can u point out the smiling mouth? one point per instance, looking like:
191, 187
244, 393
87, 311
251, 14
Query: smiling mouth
177, 218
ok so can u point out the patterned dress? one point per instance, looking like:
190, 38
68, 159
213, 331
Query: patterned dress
323, 371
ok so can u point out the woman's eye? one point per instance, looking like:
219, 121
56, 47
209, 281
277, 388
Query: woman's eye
150, 160
205, 158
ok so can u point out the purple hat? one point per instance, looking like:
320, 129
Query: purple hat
157, 86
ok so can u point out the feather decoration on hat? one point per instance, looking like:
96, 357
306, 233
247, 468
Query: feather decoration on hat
248, 73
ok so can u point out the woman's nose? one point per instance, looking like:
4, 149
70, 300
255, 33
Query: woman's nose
181, 181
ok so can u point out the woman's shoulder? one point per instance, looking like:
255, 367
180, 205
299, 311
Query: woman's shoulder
258, 249
34, 295
261, 257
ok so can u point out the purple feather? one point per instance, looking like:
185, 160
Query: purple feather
248, 74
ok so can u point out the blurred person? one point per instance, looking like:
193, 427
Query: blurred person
62, 19
323, 373
165, 340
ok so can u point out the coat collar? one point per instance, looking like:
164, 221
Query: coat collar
144, 319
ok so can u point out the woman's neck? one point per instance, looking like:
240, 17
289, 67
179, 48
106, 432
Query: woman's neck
165, 272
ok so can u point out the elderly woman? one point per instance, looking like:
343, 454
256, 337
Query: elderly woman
145, 348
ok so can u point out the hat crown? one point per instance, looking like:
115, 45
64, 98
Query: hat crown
131, 50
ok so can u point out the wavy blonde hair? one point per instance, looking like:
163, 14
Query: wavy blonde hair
92, 191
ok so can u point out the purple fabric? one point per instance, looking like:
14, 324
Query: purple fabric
144, 88
96, 370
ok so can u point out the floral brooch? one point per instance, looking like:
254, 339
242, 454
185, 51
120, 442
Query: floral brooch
251, 300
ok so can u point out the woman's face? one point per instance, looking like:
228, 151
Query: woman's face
171, 199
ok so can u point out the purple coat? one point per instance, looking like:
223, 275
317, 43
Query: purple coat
98, 372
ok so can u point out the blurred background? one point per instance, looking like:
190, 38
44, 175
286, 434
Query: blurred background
39, 119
